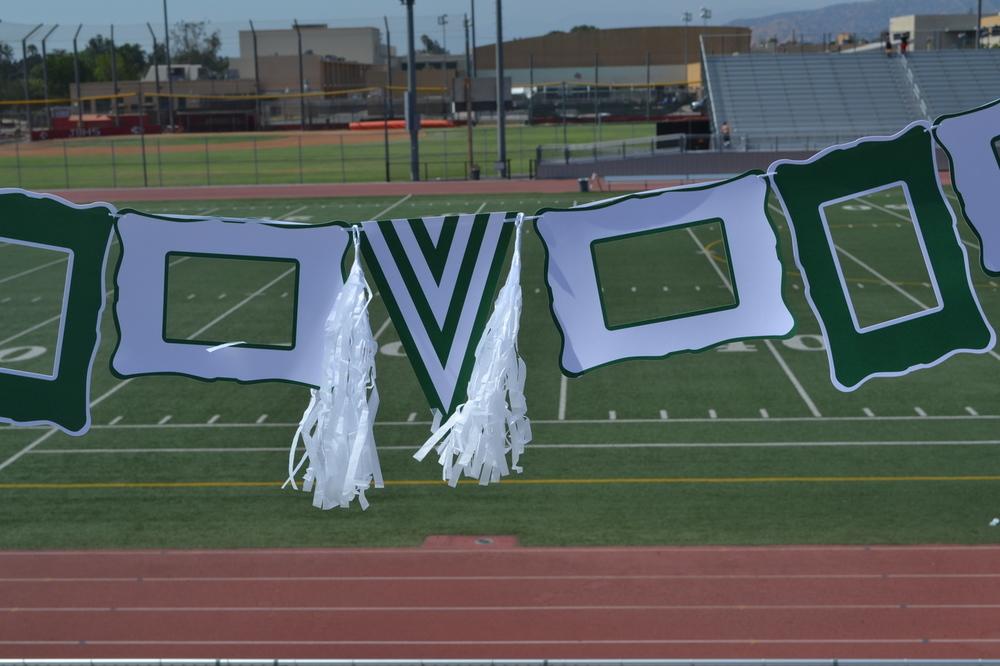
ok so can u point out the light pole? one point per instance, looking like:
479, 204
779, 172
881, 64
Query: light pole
412, 118
76, 79
170, 74
472, 25
706, 14
45, 75
443, 22
501, 110
979, 23
24, 66
156, 74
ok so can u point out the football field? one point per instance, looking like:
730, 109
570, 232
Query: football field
748, 443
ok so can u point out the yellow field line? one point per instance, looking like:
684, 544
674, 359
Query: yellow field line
736, 480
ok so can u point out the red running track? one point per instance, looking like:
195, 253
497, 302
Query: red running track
508, 602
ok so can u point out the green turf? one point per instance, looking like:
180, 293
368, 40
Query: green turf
743, 414
212, 159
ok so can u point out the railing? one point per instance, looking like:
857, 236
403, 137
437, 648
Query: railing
611, 150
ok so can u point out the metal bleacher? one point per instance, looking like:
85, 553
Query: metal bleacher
956, 80
789, 101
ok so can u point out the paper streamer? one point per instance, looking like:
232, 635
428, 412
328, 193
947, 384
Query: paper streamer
493, 421
336, 428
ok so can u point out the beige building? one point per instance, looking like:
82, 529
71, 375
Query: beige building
360, 45
929, 32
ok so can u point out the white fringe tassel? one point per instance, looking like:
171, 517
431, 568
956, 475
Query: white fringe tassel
492, 422
336, 427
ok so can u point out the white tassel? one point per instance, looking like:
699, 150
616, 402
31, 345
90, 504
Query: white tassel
492, 422
337, 426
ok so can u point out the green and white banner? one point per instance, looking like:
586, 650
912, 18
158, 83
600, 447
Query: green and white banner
440, 279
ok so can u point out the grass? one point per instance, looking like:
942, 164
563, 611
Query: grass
314, 157
741, 457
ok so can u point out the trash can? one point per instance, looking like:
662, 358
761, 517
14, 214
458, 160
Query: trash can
584, 184
474, 172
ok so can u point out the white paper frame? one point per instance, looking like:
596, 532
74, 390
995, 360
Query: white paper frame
318, 251
574, 291
969, 140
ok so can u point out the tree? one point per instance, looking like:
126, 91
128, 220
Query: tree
192, 44
431, 45
583, 28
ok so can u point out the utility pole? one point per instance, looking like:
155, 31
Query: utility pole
302, 78
388, 64
412, 117
501, 109
472, 25
45, 76
76, 80
256, 77
156, 74
170, 75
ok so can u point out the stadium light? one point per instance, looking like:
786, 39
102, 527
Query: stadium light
706, 14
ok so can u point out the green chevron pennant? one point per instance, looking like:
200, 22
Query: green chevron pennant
438, 276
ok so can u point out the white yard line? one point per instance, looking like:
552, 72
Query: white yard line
480, 209
568, 445
381, 329
114, 389
33, 270
799, 388
563, 387
382, 213
262, 422
293, 212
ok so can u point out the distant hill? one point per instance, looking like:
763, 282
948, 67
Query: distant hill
866, 19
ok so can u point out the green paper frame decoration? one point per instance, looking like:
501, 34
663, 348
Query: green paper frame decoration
61, 399
917, 340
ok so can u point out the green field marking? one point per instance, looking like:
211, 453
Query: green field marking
635, 273
192, 294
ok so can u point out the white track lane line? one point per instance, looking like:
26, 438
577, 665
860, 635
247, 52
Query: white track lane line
114, 389
521, 642
501, 577
799, 388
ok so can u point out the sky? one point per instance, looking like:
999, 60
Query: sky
522, 18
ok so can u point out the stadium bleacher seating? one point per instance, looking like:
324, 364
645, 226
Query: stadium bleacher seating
809, 100
957, 80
